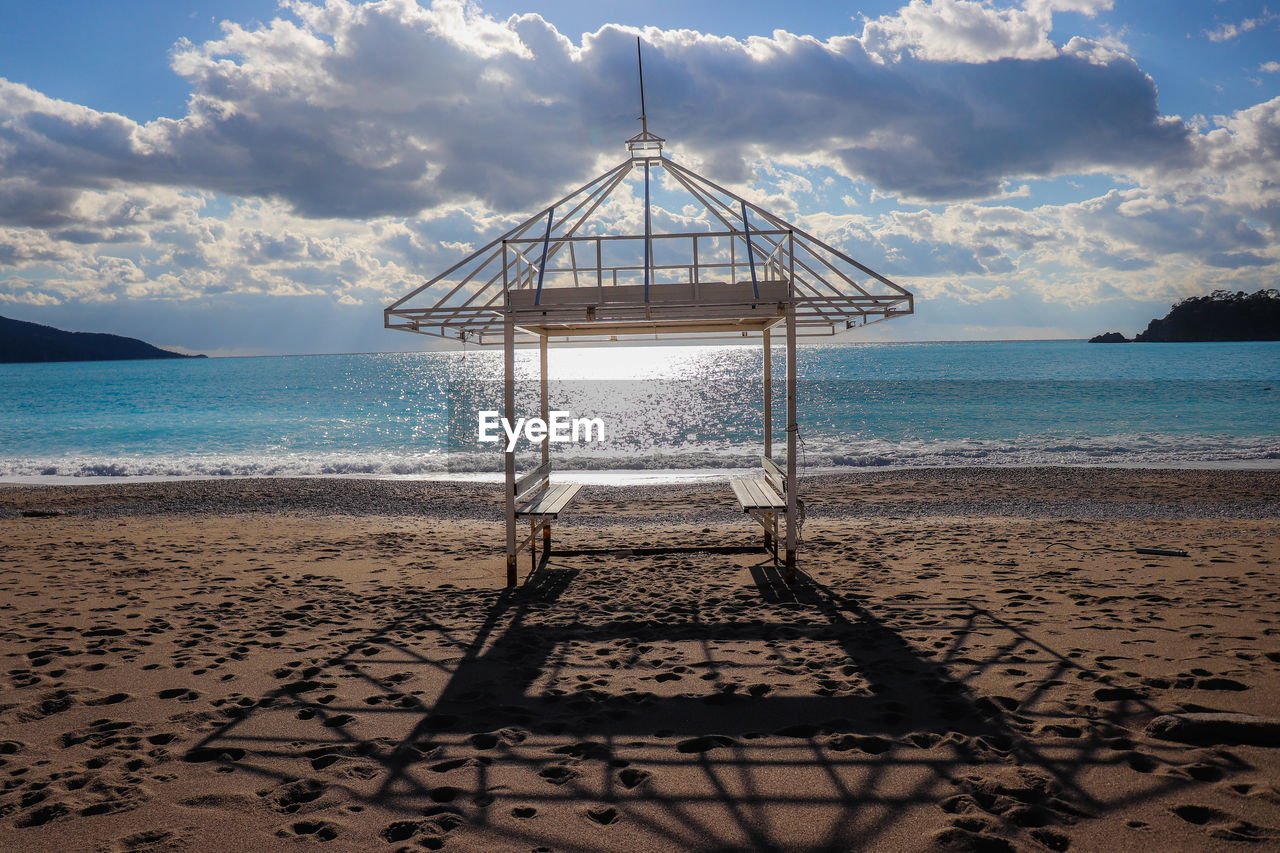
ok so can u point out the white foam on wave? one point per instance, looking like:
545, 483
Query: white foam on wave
670, 464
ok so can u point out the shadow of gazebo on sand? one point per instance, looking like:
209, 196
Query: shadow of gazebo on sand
646, 706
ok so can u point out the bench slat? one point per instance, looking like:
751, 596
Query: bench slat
743, 492
550, 502
773, 475
755, 493
771, 494
533, 480
765, 496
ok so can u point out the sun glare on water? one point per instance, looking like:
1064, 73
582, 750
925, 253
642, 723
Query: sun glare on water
607, 362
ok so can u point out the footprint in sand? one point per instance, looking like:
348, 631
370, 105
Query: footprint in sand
1223, 825
1203, 772
290, 797
970, 837
113, 799
102, 733
585, 749
1220, 683
444, 794
1019, 796
151, 840
705, 743
633, 777
401, 830
1139, 761
485, 740
869, 744
558, 774
206, 753
1052, 839
603, 815
44, 814
49, 704
322, 830
429, 833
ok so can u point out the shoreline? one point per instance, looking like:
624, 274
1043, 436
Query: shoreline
639, 477
972, 660
1033, 491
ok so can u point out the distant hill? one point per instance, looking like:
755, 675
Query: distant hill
28, 342
1220, 316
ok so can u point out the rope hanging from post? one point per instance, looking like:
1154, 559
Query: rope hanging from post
751, 258
542, 265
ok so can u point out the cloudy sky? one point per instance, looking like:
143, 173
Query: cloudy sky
253, 177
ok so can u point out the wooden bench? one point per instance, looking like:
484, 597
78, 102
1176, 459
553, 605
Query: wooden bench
541, 502
764, 498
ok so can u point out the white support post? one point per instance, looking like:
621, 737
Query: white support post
546, 418
509, 411
768, 415
768, 396
542, 392
792, 429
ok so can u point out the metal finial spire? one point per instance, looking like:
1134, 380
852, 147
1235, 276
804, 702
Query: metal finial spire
644, 145
644, 122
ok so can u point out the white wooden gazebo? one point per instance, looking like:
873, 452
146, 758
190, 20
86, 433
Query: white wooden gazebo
564, 275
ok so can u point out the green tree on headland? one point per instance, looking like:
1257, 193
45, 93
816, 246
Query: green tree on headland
1220, 316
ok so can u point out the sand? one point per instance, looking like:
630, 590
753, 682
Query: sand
257, 665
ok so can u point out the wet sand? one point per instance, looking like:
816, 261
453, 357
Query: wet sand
272, 664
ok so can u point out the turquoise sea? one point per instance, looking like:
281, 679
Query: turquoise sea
669, 412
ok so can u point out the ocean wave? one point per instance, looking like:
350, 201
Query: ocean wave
1132, 450
814, 455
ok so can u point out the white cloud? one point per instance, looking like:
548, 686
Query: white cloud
1241, 159
26, 297
1270, 67
969, 295
22, 247
1228, 31
189, 253
1100, 51
1088, 8
960, 31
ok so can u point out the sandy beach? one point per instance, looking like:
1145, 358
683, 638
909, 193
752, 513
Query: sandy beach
971, 659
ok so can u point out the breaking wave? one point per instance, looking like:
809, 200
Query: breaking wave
814, 456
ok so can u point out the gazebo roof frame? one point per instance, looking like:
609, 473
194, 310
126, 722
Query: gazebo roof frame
538, 271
